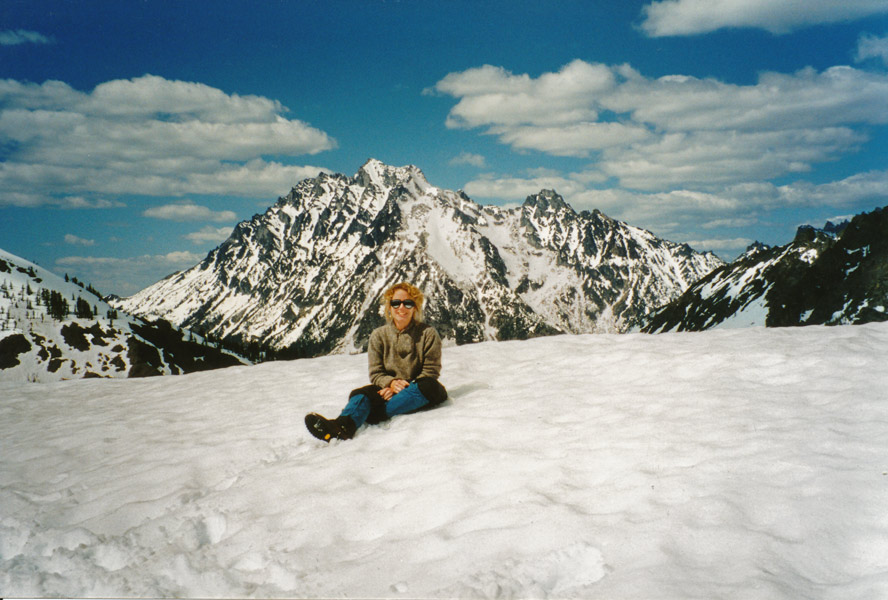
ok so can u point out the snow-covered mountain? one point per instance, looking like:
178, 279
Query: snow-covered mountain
53, 328
306, 275
834, 275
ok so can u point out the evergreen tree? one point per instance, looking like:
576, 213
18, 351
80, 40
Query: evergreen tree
82, 309
57, 306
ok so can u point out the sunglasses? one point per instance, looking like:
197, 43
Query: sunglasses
406, 303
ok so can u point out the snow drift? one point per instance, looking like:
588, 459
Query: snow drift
746, 463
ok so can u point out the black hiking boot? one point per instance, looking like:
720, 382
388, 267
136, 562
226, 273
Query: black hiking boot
341, 428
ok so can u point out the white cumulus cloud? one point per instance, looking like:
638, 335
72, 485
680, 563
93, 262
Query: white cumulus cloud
188, 212
147, 136
78, 241
468, 158
871, 46
23, 36
691, 17
716, 244
136, 272
674, 131
519, 188
493, 96
209, 234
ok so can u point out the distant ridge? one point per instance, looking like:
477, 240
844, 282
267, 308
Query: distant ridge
53, 328
834, 275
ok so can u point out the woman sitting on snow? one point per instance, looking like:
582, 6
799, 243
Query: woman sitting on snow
405, 362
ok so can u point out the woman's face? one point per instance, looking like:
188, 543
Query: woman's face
401, 316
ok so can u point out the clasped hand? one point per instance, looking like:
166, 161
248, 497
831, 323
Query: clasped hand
397, 385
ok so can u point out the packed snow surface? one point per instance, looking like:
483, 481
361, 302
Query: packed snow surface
736, 463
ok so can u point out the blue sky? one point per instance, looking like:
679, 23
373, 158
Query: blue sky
134, 135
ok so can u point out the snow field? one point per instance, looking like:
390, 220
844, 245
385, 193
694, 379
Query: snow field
735, 463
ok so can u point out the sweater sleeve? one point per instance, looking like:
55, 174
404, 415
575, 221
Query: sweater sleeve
431, 366
375, 354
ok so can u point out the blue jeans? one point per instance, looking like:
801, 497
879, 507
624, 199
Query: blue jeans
407, 400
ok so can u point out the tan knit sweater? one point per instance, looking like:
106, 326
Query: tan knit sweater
409, 354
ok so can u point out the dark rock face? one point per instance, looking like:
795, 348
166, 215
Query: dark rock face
160, 338
10, 348
835, 275
305, 277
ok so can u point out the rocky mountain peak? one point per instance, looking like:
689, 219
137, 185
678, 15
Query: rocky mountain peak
809, 233
755, 248
385, 177
305, 277
835, 228
547, 201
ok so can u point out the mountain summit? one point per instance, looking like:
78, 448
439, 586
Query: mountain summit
306, 276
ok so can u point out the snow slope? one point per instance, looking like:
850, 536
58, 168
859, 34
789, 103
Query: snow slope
36, 347
744, 463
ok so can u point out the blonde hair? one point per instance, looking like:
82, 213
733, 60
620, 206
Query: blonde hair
412, 291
